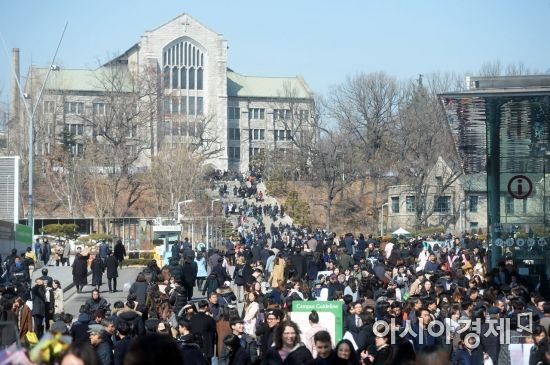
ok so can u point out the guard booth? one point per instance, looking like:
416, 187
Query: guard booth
501, 126
164, 236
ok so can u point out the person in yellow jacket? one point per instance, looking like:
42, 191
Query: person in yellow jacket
30, 259
278, 273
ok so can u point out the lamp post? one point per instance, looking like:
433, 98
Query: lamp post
382, 219
180, 217
207, 228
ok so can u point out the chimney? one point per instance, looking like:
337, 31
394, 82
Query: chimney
15, 102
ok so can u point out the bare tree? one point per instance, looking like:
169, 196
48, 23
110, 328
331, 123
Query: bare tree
176, 174
116, 152
422, 142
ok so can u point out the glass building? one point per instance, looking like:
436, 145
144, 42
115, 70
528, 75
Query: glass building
501, 126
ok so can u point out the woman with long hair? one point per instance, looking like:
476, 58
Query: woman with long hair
251, 310
345, 351
288, 348
58, 297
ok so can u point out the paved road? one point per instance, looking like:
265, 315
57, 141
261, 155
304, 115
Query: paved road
126, 277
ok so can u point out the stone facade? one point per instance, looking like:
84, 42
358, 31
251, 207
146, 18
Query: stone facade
196, 92
458, 204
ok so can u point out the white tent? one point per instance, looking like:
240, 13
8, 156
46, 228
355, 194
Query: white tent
401, 232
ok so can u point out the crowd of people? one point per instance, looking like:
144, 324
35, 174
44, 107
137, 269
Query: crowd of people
414, 300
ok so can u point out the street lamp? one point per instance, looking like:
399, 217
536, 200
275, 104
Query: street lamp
207, 228
382, 219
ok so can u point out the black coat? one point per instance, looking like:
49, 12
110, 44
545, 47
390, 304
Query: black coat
191, 354
38, 300
97, 271
299, 263
205, 326
112, 267
240, 357
189, 273
104, 353
178, 299
80, 270
119, 251
121, 347
139, 288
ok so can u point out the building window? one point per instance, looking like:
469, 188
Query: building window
167, 105
175, 105
234, 153
100, 108
183, 128
200, 105
192, 105
443, 204
395, 204
255, 151
183, 78
49, 106
191, 78
257, 134
76, 149
256, 113
175, 128
132, 131
175, 73
233, 113
166, 77
474, 202
411, 204
191, 129
74, 107
474, 226
74, 129
509, 205
199, 79
281, 114
234, 134
303, 114
183, 105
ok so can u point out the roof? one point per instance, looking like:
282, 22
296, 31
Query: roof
267, 87
475, 182
73, 79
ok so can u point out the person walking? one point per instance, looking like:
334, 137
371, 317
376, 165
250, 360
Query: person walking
46, 251
189, 275
120, 252
66, 253
80, 270
97, 271
39, 306
202, 272
112, 271
58, 298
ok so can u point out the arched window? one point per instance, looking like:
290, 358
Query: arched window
194, 56
189, 54
185, 54
166, 77
202, 59
191, 78
183, 78
182, 62
199, 79
175, 77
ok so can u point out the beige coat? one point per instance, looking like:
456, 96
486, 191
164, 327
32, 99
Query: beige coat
58, 301
278, 273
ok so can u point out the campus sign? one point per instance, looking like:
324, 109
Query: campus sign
330, 316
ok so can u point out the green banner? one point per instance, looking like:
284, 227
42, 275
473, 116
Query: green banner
330, 316
23, 233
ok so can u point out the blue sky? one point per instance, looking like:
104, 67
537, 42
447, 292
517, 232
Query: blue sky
324, 41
